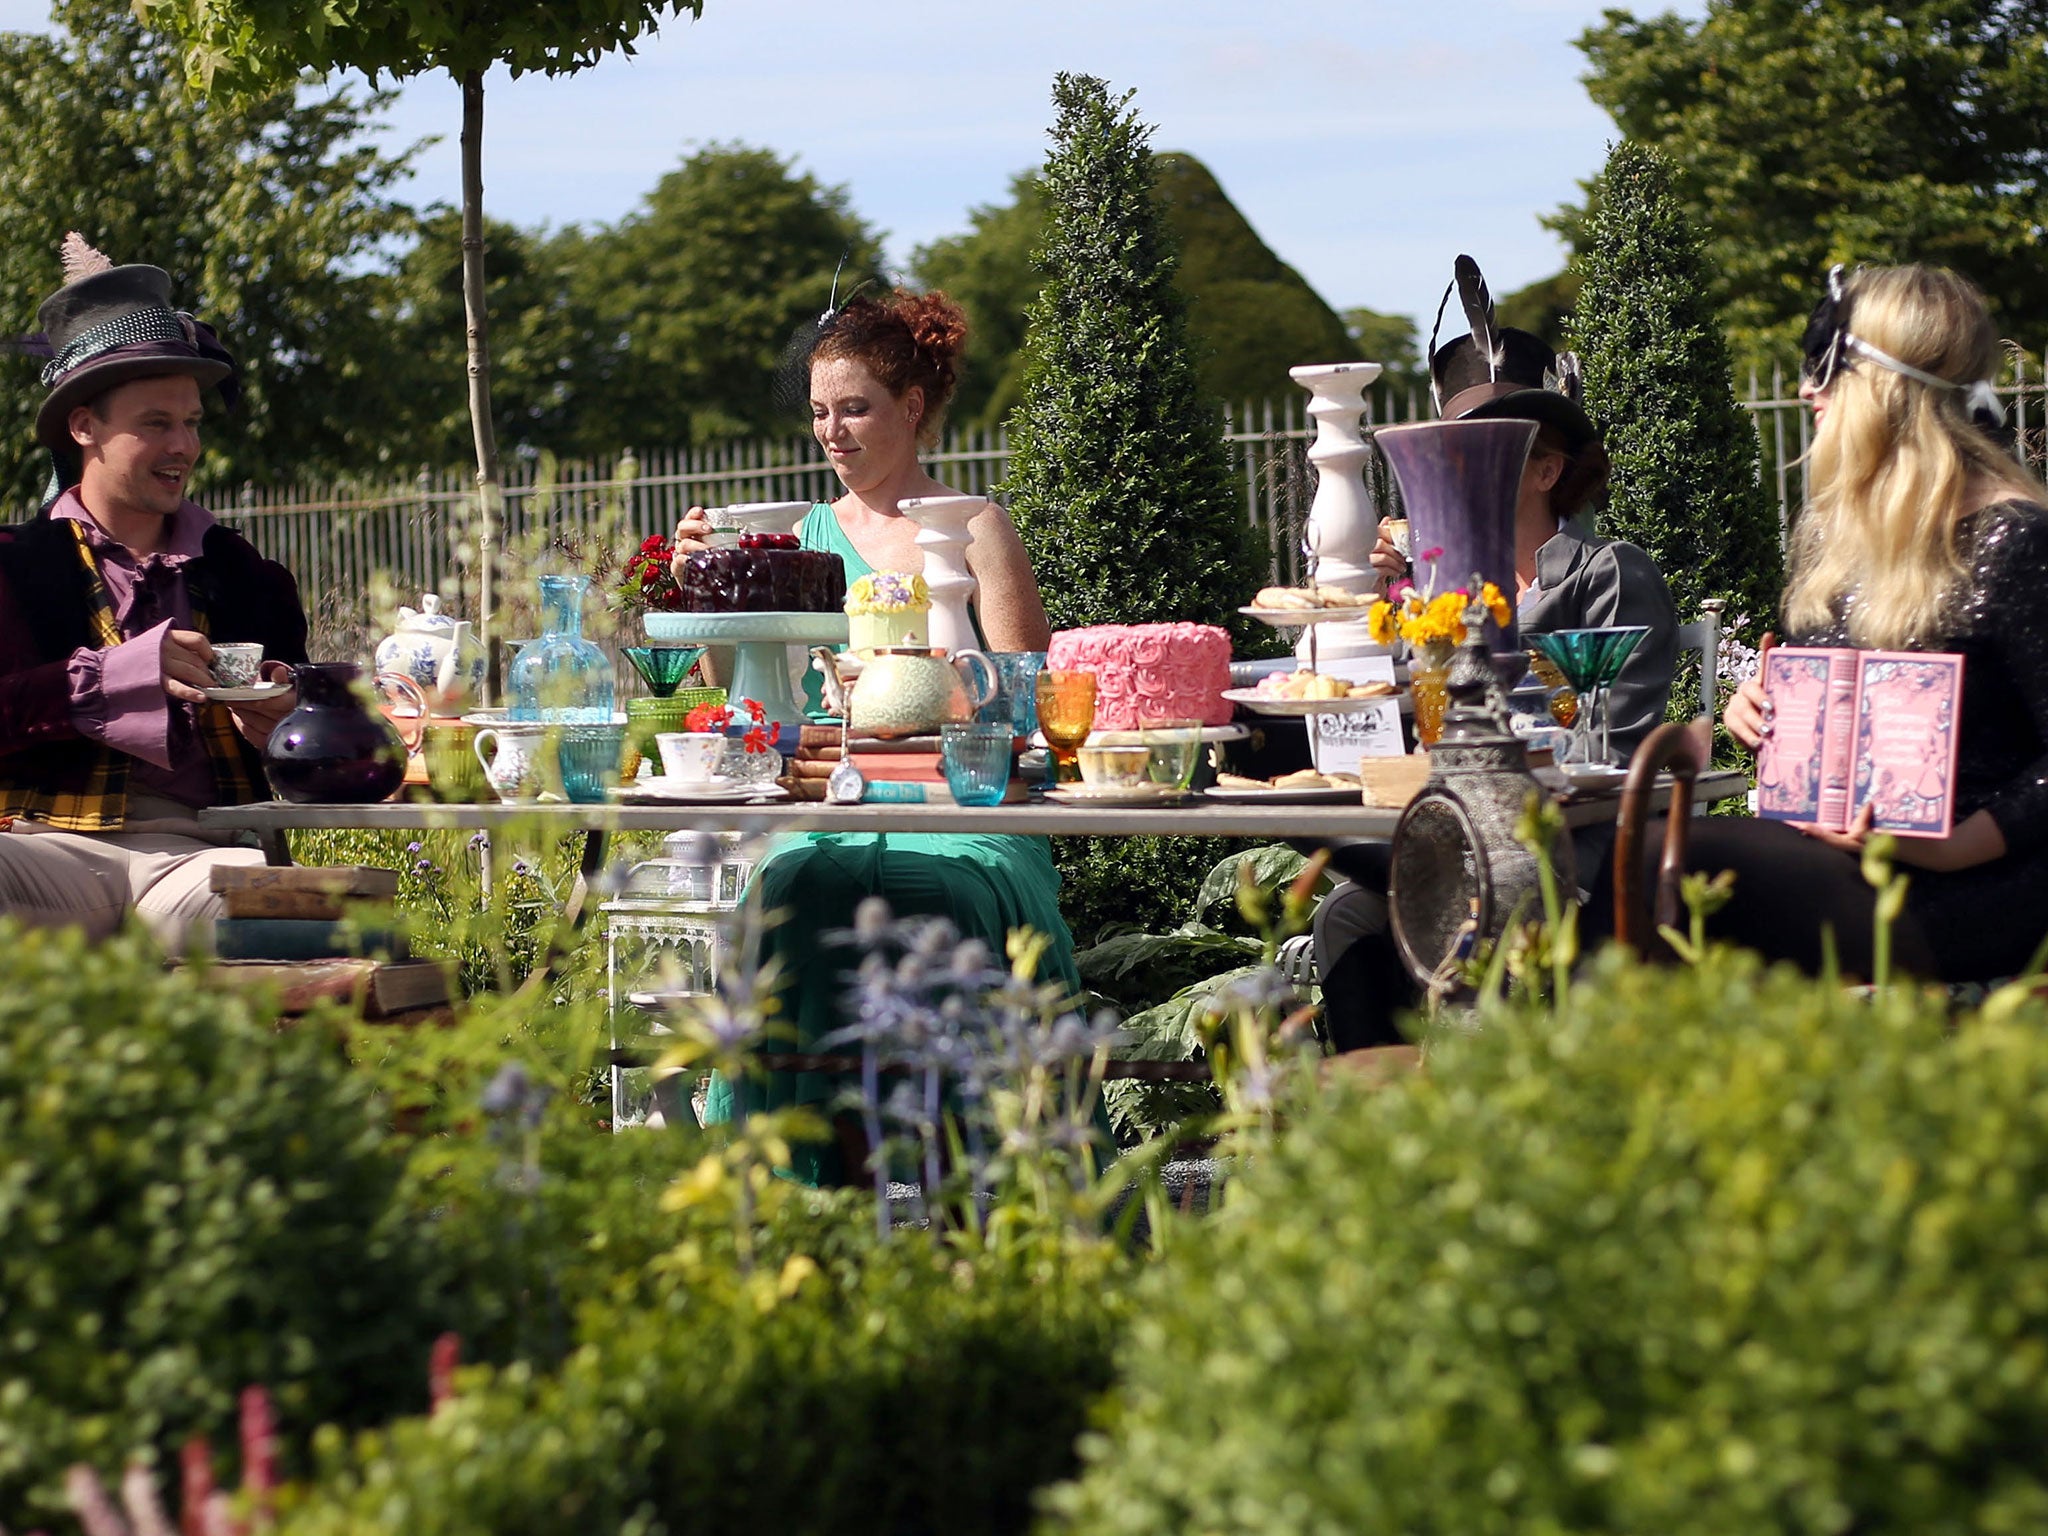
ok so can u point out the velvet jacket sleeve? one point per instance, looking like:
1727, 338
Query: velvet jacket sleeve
2011, 622
35, 695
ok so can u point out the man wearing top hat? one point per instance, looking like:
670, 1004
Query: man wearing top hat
1566, 577
110, 601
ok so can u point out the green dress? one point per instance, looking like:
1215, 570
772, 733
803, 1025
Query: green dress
987, 885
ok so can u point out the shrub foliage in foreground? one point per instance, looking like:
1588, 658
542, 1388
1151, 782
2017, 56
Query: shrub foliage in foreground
891, 1389
190, 1202
1716, 1251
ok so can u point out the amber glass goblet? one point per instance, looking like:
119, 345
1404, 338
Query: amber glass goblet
1066, 714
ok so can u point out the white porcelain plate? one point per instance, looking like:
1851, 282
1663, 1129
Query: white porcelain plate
1117, 794
702, 792
1281, 618
252, 695
1593, 775
1267, 704
1306, 794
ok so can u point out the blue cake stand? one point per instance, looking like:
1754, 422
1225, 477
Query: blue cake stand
760, 643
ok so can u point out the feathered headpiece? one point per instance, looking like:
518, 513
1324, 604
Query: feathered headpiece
791, 392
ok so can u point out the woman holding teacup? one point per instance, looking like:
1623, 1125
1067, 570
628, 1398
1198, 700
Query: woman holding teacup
879, 373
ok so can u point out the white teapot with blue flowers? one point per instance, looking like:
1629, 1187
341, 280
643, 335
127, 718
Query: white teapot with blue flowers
440, 653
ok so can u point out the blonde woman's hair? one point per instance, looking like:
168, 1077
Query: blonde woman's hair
1895, 461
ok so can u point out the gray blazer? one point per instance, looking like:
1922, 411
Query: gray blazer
1583, 582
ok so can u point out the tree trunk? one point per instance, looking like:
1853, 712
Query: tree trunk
489, 491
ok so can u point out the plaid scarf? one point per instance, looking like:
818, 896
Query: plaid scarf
100, 802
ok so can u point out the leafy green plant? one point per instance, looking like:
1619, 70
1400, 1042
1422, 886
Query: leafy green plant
1169, 983
191, 1201
1713, 1248
841, 1386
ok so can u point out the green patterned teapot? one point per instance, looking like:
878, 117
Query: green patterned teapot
913, 690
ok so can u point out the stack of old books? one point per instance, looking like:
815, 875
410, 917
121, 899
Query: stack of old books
906, 770
321, 933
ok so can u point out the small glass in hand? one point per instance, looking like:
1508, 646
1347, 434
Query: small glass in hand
1066, 714
976, 762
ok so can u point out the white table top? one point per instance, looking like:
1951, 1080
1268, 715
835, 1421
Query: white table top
1197, 818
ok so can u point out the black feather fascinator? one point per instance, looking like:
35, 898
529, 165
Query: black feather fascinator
790, 391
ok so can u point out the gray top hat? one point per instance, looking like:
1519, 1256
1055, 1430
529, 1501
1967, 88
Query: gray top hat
115, 324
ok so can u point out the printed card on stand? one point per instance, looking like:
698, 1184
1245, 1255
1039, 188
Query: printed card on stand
1339, 742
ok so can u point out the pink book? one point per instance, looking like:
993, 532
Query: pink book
1853, 728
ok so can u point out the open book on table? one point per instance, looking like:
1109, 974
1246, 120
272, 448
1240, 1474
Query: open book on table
1854, 728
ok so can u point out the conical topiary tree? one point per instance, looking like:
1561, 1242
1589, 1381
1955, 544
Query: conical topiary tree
1118, 481
1660, 383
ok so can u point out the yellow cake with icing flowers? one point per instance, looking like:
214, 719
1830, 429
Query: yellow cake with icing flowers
887, 608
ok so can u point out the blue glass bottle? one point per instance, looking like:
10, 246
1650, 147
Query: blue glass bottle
562, 676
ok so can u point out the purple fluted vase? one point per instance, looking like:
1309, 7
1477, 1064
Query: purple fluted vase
1459, 482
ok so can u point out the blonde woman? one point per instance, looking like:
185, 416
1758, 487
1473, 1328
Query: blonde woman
1921, 532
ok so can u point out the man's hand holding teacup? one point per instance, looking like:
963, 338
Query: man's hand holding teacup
188, 665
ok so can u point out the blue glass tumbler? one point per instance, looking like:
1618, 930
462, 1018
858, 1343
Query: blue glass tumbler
976, 761
1017, 699
589, 755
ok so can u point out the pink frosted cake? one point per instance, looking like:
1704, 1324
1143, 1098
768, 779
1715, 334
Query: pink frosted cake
1149, 671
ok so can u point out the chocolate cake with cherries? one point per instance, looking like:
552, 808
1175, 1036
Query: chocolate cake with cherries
768, 573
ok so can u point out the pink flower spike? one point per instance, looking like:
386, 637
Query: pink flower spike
1432, 554
447, 1354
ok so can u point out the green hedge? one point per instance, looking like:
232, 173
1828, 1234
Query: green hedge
190, 1202
1722, 1250
894, 1389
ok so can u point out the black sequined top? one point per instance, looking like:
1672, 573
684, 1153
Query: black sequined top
2002, 634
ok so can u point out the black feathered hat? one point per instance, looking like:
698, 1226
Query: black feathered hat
1500, 371
108, 325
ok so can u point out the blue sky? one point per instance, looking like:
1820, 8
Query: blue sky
1367, 142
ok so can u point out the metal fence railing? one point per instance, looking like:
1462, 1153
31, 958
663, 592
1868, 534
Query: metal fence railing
344, 543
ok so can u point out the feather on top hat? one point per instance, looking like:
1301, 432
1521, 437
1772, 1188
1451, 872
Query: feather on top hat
1500, 371
108, 325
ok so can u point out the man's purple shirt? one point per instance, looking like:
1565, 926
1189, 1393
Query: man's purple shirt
117, 695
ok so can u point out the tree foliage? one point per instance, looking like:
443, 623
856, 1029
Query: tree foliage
1659, 381
696, 293
1118, 478
1806, 132
990, 273
544, 353
1251, 317
267, 214
242, 45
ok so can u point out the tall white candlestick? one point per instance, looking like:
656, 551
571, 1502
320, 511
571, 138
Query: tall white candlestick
1343, 523
942, 535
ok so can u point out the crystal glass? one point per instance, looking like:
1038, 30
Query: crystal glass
976, 760
1066, 714
743, 767
1175, 747
647, 718
562, 677
663, 667
1590, 659
1016, 699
